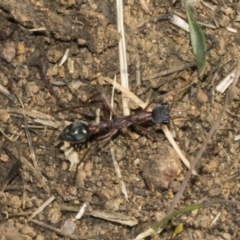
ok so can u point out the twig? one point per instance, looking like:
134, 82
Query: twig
6, 93
40, 209
57, 231
208, 137
138, 74
170, 71
29, 139
16, 135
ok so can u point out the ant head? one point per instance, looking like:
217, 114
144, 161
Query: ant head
160, 114
76, 132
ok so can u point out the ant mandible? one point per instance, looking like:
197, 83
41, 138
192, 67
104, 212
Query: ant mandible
81, 131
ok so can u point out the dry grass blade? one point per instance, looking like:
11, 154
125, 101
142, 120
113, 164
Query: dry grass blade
36, 174
112, 97
48, 123
30, 113
107, 215
177, 149
119, 175
127, 92
225, 83
81, 211
214, 221
179, 22
122, 56
115, 217
64, 57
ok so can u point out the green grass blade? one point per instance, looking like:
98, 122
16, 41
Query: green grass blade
158, 225
198, 42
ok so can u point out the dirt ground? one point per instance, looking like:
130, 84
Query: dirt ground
34, 34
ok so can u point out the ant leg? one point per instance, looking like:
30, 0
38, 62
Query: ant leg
42, 64
144, 129
149, 104
174, 98
106, 137
106, 103
76, 171
132, 145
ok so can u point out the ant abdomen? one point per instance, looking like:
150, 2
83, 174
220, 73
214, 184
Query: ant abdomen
76, 132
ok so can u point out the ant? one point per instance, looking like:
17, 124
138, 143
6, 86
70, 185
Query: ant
81, 131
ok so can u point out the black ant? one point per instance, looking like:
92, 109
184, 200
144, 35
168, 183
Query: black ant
81, 131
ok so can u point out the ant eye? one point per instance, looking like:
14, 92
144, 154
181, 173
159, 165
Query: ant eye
75, 132
160, 114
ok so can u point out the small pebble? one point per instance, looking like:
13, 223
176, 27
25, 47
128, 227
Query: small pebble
68, 227
4, 115
201, 96
40, 237
26, 230
32, 88
3, 79
54, 215
21, 48
9, 51
22, 71
15, 202
54, 55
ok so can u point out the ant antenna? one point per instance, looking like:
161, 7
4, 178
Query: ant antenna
174, 98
